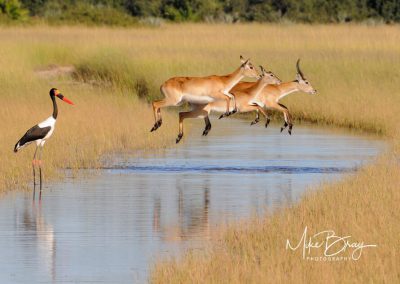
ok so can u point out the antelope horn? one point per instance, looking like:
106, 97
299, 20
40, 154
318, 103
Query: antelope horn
298, 68
262, 69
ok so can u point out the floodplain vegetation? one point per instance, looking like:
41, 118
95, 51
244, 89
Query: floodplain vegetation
111, 74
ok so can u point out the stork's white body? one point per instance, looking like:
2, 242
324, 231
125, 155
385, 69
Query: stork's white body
48, 122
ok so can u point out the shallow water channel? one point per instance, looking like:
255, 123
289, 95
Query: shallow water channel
112, 226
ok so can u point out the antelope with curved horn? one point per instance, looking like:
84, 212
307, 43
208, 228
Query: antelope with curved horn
270, 96
243, 99
201, 90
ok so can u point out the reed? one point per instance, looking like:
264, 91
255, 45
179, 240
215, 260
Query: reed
100, 123
363, 205
355, 68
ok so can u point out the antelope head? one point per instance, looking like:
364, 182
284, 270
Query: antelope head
304, 84
268, 77
248, 69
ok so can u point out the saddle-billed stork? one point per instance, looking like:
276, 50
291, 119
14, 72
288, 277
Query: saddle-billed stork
39, 134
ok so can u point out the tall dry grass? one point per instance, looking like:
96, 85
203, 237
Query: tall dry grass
353, 67
105, 119
356, 70
364, 206
99, 123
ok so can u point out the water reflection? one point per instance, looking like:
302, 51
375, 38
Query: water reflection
30, 241
192, 219
45, 238
109, 228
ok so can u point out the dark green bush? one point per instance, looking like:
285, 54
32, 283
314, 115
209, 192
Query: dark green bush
85, 13
124, 12
12, 10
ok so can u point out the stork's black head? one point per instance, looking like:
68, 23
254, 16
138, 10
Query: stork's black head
54, 92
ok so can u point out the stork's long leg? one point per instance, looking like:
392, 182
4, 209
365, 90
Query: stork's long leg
34, 175
40, 171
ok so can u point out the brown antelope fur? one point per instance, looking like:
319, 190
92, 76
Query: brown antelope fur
243, 100
270, 96
201, 90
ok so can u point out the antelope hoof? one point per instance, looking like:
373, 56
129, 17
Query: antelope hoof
224, 114
254, 122
179, 138
267, 123
284, 126
206, 130
156, 125
232, 112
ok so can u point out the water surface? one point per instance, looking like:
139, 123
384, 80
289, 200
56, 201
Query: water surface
110, 227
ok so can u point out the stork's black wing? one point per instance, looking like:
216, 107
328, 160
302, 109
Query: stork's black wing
32, 134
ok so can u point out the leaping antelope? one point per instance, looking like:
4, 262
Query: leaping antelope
270, 96
201, 90
243, 99
39, 134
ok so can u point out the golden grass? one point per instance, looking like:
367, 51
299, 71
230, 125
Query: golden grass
364, 206
98, 124
104, 120
356, 70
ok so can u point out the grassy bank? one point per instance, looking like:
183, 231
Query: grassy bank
363, 206
105, 118
98, 124
356, 70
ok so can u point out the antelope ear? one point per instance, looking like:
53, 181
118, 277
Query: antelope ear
262, 69
241, 59
298, 77
244, 64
